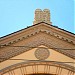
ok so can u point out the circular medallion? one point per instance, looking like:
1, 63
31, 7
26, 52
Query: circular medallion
42, 53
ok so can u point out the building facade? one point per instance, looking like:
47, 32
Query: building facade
41, 49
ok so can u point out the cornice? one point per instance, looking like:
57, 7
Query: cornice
57, 28
14, 51
35, 30
52, 33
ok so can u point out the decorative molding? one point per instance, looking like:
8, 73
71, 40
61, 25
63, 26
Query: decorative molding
61, 41
45, 31
40, 39
38, 63
42, 53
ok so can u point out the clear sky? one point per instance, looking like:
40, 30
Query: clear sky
18, 14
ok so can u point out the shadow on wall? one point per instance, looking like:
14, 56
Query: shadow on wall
42, 74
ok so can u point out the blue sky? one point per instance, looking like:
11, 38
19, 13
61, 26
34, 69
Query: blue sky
18, 14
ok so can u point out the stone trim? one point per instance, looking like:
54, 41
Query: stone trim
36, 62
13, 51
36, 32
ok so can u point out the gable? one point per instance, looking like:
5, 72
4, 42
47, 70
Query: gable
41, 34
31, 30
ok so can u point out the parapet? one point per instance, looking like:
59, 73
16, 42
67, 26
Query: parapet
42, 16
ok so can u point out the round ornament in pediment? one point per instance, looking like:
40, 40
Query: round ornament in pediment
42, 53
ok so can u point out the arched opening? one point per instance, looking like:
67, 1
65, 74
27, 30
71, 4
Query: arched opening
38, 68
42, 74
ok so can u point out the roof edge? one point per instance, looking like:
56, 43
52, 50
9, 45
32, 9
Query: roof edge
35, 25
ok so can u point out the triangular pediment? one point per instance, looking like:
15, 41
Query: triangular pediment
34, 36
